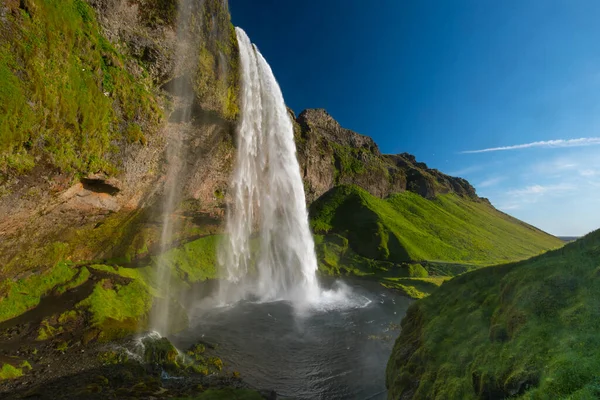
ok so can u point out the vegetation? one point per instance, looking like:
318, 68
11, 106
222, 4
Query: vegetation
407, 227
194, 261
524, 330
217, 79
24, 294
335, 257
81, 278
65, 93
118, 309
10, 372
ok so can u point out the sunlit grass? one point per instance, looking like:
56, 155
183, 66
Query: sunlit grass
527, 330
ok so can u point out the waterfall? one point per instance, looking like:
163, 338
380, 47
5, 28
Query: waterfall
175, 155
269, 250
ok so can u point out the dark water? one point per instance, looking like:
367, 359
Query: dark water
336, 350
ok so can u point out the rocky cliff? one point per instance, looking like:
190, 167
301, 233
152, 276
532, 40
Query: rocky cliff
83, 178
330, 155
89, 110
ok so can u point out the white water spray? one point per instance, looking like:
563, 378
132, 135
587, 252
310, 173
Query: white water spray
279, 261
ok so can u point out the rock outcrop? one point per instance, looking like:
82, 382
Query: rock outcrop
48, 207
330, 155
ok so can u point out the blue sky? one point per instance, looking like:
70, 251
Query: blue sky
438, 78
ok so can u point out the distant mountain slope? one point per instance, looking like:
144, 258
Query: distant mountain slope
526, 330
407, 227
568, 238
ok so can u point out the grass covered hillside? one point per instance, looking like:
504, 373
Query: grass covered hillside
525, 330
407, 227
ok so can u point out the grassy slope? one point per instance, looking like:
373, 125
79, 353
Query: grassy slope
526, 329
407, 227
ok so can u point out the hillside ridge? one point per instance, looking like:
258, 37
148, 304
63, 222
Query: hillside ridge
523, 330
331, 155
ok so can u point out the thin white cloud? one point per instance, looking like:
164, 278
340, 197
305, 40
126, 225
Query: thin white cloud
581, 142
536, 190
491, 182
519, 198
588, 173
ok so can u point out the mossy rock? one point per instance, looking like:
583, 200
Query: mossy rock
160, 352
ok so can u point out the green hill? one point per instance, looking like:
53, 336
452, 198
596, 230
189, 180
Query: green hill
407, 227
525, 330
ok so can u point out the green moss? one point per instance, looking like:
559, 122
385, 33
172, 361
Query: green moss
64, 90
407, 227
194, 261
68, 316
80, 279
10, 372
113, 357
134, 134
216, 82
522, 330
160, 352
416, 288
118, 309
216, 362
47, 330
158, 12
62, 346
24, 294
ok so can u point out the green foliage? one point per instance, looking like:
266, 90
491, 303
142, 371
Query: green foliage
10, 372
524, 330
407, 227
24, 294
64, 90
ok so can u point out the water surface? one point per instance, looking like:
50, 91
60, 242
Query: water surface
335, 350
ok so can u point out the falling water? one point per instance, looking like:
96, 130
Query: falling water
175, 159
269, 251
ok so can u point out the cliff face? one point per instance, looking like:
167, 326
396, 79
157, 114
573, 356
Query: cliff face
88, 122
330, 155
89, 110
